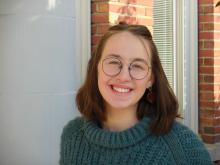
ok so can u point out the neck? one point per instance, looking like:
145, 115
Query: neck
120, 119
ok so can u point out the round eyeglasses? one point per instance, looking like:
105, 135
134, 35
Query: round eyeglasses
138, 69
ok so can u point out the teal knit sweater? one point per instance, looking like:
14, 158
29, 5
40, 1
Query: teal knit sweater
85, 143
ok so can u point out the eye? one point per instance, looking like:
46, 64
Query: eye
136, 66
114, 62
139, 66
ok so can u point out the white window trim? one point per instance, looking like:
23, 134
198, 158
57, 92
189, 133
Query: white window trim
83, 38
191, 54
186, 60
186, 48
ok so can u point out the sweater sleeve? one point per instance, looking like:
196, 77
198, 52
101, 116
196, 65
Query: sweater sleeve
192, 147
71, 129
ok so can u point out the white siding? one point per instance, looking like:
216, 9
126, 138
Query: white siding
39, 74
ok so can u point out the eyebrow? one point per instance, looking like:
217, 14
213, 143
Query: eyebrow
133, 59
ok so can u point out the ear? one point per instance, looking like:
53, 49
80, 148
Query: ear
151, 80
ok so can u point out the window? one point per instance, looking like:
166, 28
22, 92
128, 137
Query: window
175, 33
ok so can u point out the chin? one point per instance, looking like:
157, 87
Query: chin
120, 105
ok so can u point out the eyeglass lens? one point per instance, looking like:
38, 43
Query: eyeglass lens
113, 66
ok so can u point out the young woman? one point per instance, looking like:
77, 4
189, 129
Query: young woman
128, 108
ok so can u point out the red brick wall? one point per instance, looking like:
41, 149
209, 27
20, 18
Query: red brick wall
109, 12
209, 70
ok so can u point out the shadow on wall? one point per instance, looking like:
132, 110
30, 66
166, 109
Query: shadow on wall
128, 13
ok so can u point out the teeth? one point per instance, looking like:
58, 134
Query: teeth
122, 90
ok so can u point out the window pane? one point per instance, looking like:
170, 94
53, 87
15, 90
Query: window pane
163, 35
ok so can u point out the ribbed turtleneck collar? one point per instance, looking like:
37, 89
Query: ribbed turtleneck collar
109, 139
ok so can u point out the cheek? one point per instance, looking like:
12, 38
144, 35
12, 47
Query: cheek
142, 86
102, 80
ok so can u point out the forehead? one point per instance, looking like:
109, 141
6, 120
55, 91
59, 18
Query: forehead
127, 46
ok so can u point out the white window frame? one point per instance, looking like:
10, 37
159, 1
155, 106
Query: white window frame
83, 26
186, 50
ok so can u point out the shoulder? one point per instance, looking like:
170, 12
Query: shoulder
185, 135
70, 132
185, 143
73, 127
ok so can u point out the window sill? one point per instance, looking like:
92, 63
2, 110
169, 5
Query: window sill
214, 151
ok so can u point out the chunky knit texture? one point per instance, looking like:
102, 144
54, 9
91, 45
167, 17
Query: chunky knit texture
85, 143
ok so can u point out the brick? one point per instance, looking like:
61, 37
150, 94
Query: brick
206, 96
210, 35
206, 53
128, 10
214, 105
216, 43
204, 113
140, 2
209, 44
216, 112
201, 27
99, 18
145, 2
210, 113
201, 45
212, 130
208, 61
216, 26
149, 12
207, 121
208, 9
217, 10
205, 2
145, 21
209, 78
206, 70
211, 139
94, 28
206, 35
96, 39
212, 121
208, 26
217, 37
201, 9
94, 7
201, 78
201, 61
205, 18
128, 19
217, 70
217, 53
217, 80
216, 18
93, 48
217, 88
206, 87
103, 8
102, 28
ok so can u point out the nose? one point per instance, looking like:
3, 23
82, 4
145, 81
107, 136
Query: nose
124, 75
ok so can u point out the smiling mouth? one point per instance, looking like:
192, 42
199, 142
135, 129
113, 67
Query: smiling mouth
120, 90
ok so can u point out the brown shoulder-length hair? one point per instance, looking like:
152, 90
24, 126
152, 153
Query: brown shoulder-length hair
162, 111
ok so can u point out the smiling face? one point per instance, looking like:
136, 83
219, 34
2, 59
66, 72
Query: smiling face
123, 91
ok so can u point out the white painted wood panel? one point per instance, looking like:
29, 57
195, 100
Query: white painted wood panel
40, 71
